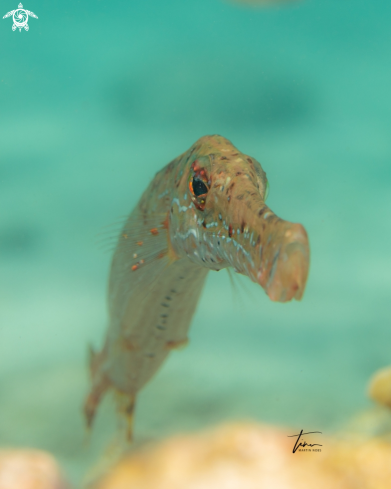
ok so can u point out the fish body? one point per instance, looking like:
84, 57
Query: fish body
204, 211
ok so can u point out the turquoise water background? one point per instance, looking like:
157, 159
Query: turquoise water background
95, 99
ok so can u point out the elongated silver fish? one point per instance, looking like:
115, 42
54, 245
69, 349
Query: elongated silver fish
204, 211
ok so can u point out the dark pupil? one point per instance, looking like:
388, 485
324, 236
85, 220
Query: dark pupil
199, 188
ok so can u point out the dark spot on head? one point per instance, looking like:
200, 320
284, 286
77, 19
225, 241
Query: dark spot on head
168, 297
230, 231
261, 211
238, 173
218, 243
259, 239
240, 197
204, 224
250, 160
223, 158
159, 326
173, 291
164, 315
164, 304
242, 226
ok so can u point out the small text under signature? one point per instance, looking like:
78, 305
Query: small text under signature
303, 443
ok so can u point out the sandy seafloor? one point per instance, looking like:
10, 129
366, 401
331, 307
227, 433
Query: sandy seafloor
96, 98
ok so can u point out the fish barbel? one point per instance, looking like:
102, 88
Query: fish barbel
204, 211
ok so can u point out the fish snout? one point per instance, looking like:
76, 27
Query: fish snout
284, 265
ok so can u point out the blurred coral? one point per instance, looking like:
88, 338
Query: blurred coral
251, 456
29, 469
380, 387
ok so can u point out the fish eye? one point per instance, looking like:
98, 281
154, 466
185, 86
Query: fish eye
199, 187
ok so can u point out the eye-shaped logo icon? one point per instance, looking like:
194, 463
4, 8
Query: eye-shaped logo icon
20, 17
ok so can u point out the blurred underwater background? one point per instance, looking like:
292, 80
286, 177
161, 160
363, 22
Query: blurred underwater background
96, 98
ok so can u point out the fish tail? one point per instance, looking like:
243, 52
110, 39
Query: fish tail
100, 384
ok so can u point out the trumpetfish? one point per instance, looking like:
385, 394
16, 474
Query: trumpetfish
204, 211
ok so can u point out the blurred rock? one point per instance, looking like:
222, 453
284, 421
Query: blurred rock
29, 469
249, 456
380, 387
371, 423
361, 464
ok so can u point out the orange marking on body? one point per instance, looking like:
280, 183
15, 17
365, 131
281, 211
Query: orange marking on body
130, 345
161, 255
195, 166
154, 231
134, 267
165, 223
140, 243
172, 345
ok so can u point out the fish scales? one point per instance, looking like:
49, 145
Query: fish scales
204, 211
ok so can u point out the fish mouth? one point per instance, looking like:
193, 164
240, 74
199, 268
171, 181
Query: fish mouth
284, 263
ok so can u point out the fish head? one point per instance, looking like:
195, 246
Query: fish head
219, 219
